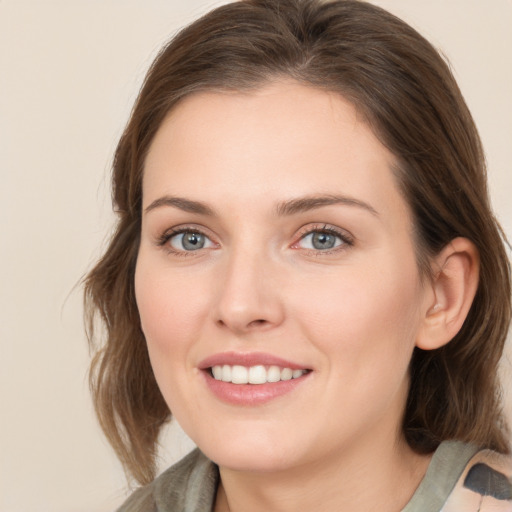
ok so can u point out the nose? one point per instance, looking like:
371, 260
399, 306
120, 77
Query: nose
250, 298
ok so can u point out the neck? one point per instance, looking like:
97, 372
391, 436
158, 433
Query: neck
377, 476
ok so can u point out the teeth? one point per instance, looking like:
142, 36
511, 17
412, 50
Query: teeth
217, 372
286, 374
259, 374
274, 374
239, 375
226, 373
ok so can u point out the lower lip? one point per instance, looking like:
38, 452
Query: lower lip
251, 394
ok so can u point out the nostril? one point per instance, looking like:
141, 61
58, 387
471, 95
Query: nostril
258, 322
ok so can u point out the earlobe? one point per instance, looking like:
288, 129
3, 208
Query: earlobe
454, 285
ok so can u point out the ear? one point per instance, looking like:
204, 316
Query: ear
452, 290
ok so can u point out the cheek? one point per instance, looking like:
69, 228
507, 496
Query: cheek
365, 316
171, 308
172, 311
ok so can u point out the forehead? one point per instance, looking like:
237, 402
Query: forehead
283, 140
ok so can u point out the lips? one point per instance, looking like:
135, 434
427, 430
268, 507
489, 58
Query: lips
248, 359
251, 379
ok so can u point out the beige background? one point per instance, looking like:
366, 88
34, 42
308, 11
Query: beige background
69, 72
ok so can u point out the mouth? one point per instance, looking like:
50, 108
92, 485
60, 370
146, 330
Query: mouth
251, 379
257, 375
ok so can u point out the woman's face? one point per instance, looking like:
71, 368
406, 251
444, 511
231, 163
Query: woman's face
276, 244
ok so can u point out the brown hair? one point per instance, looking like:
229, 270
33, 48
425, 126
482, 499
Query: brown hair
408, 96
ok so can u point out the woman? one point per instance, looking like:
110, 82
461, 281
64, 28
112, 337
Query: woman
306, 272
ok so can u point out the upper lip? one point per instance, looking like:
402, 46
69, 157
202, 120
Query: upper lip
248, 359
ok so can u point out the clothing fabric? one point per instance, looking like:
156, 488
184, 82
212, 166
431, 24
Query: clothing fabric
460, 478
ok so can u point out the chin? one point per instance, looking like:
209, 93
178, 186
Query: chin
253, 453
251, 461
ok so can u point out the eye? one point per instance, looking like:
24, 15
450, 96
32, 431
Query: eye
323, 239
189, 241
320, 241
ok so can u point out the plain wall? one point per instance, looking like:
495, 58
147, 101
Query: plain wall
69, 72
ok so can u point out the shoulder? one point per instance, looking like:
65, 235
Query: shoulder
462, 478
485, 485
188, 485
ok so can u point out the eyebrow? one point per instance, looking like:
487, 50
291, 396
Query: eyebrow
284, 208
187, 205
304, 204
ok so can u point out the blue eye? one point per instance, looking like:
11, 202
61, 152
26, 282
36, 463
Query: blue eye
189, 241
321, 241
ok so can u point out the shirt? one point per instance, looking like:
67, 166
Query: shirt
460, 478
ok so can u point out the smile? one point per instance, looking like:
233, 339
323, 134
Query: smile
253, 378
259, 374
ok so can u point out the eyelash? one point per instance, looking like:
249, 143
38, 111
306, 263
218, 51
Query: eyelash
346, 239
164, 239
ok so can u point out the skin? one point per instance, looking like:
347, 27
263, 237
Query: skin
352, 315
